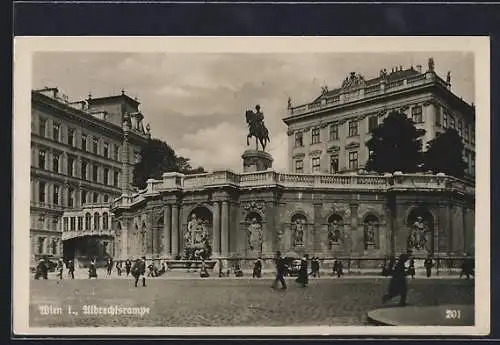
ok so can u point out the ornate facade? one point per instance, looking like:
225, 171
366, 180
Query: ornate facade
82, 156
329, 134
251, 214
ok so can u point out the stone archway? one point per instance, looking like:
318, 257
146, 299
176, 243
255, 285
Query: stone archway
197, 234
420, 223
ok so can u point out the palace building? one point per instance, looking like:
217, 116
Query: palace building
82, 157
329, 134
327, 206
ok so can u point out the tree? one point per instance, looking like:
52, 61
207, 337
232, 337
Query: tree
395, 145
444, 154
157, 157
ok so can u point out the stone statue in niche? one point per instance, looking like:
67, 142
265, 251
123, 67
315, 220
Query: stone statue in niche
298, 234
255, 235
334, 233
418, 236
196, 233
370, 233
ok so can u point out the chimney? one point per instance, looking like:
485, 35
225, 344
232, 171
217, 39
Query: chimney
419, 68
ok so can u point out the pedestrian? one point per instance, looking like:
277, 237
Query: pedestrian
467, 268
280, 271
303, 277
398, 284
411, 268
71, 269
138, 271
338, 268
41, 270
428, 265
60, 268
314, 267
92, 269
257, 268
392, 263
109, 266
203, 270
128, 266
119, 268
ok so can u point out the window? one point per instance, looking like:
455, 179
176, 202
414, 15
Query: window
65, 224
473, 135
460, 128
97, 221
71, 166
116, 151
95, 172
83, 199
315, 136
41, 191
106, 198
115, 178
55, 162
105, 150
72, 224
55, 131
55, 195
353, 128
42, 127
316, 165
105, 221
71, 197
84, 142
88, 220
106, 173
41, 242
438, 117
353, 160
298, 139
299, 166
71, 137
95, 197
95, 145
41, 159
334, 164
445, 119
80, 223
334, 132
452, 122
84, 170
372, 123
416, 114
466, 133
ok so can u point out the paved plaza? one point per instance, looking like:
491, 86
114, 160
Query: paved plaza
233, 302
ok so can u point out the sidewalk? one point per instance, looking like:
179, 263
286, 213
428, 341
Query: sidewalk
443, 315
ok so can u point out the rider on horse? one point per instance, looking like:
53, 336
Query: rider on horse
256, 127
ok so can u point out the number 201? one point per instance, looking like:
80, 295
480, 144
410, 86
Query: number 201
453, 314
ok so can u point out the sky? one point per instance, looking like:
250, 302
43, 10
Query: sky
197, 102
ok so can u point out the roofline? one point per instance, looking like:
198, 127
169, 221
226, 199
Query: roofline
102, 99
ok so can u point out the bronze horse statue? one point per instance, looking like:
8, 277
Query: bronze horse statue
257, 129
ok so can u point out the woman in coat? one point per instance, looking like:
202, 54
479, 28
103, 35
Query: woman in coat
398, 285
303, 277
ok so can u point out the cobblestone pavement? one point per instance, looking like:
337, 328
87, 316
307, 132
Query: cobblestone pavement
237, 302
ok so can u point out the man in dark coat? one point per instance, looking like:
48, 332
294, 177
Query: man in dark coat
338, 268
398, 285
303, 277
428, 265
411, 268
41, 270
280, 272
257, 269
139, 271
467, 268
71, 269
128, 266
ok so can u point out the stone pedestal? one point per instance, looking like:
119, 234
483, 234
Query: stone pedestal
254, 160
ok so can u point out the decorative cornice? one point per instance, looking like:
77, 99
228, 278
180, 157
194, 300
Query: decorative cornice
315, 153
334, 148
290, 132
299, 155
352, 145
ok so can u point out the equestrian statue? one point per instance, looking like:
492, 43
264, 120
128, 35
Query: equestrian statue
257, 129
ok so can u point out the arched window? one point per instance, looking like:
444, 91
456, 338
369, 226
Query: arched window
105, 220
371, 225
298, 226
54, 247
335, 224
88, 219
97, 221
